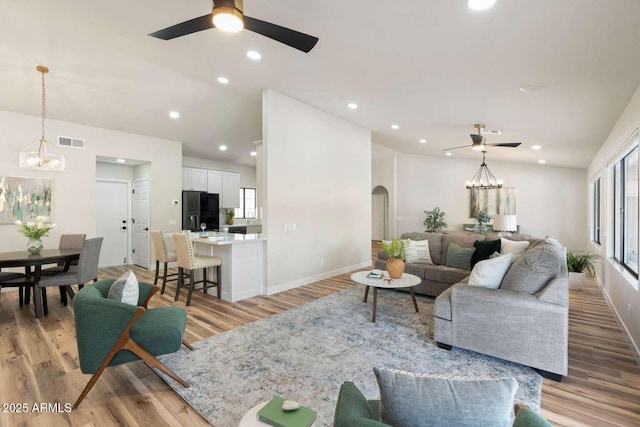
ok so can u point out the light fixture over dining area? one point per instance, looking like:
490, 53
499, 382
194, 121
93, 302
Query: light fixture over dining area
228, 15
36, 155
484, 179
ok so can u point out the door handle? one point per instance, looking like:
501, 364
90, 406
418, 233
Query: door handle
123, 228
146, 229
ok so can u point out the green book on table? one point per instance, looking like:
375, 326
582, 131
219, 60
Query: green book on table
272, 413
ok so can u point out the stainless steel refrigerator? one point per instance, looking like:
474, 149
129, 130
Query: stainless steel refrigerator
199, 207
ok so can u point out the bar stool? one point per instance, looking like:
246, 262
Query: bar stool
162, 255
187, 260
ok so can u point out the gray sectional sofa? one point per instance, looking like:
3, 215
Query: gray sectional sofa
437, 277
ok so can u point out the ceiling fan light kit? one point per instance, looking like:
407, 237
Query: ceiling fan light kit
228, 17
36, 155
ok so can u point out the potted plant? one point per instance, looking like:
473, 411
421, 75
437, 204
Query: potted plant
577, 262
230, 214
434, 221
395, 251
482, 219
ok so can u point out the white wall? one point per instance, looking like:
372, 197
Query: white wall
549, 200
317, 175
113, 171
74, 189
618, 285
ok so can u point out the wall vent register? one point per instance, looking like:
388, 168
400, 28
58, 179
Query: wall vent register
67, 141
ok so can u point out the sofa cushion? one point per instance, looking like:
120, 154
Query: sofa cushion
417, 251
442, 305
512, 247
490, 272
534, 269
459, 257
435, 244
416, 268
409, 399
465, 240
484, 250
442, 273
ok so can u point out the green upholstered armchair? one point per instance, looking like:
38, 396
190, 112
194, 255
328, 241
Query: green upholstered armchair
111, 332
354, 410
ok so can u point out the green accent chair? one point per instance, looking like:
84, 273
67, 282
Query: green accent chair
354, 410
111, 332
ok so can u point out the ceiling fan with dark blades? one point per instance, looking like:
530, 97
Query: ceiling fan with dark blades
228, 15
480, 143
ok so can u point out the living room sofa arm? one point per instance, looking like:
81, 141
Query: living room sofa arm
484, 299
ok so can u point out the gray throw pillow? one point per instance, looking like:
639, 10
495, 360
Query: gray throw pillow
125, 289
459, 257
416, 400
534, 269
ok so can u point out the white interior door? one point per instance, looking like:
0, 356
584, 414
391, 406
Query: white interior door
141, 223
112, 211
378, 212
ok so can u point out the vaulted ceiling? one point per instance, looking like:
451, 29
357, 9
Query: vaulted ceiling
433, 67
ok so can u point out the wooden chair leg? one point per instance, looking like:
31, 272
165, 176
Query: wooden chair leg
180, 282
191, 286
21, 294
155, 281
164, 278
63, 295
70, 292
219, 281
143, 354
186, 344
204, 280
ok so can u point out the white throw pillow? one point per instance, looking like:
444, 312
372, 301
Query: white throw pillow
513, 247
418, 251
125, 289
490, 272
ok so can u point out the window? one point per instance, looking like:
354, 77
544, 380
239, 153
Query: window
595, 220
625, 214
247, 207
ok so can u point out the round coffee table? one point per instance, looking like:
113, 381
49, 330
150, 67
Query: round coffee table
406, 281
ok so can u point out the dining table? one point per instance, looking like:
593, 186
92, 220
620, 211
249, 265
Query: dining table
36, 261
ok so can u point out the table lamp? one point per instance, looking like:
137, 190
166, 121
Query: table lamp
505, 223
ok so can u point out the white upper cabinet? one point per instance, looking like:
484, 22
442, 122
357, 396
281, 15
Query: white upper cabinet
230, 197
214, 182
194, 179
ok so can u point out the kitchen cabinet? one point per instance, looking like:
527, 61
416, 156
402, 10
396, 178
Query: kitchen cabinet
194, 179
214, 182
230, 196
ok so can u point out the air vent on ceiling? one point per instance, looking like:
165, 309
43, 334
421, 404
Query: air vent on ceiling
67, 141
491, 132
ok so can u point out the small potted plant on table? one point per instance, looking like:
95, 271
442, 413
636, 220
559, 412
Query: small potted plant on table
395, 251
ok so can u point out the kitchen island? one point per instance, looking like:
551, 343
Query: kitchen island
242, 258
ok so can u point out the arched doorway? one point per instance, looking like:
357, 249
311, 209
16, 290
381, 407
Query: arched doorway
380, 213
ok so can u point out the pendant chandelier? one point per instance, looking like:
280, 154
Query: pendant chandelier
484, 179
36, 155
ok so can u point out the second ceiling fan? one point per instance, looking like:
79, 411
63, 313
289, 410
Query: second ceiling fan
479, 142
228, 15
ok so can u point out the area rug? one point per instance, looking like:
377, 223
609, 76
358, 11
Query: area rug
306, 353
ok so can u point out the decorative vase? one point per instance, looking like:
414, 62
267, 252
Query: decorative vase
395, 267
576, 281
34, 246
230, 221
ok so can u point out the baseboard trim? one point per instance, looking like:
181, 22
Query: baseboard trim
632, 344
311, 279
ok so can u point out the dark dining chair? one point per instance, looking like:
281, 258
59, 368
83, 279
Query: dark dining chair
87, 270
16, 280
67, 241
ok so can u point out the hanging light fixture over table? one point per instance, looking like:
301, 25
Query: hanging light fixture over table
36, 156
484, 179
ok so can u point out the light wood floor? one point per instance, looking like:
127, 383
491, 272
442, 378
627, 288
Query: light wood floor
39, 363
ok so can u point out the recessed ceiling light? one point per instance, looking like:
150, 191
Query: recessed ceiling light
423, 141
532, 88
449, 154
223, 148
352, 105
536, 147
252, 54
174, 114
121, 161
542, 162
223, 80
480, 4
395, 127
254, 153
